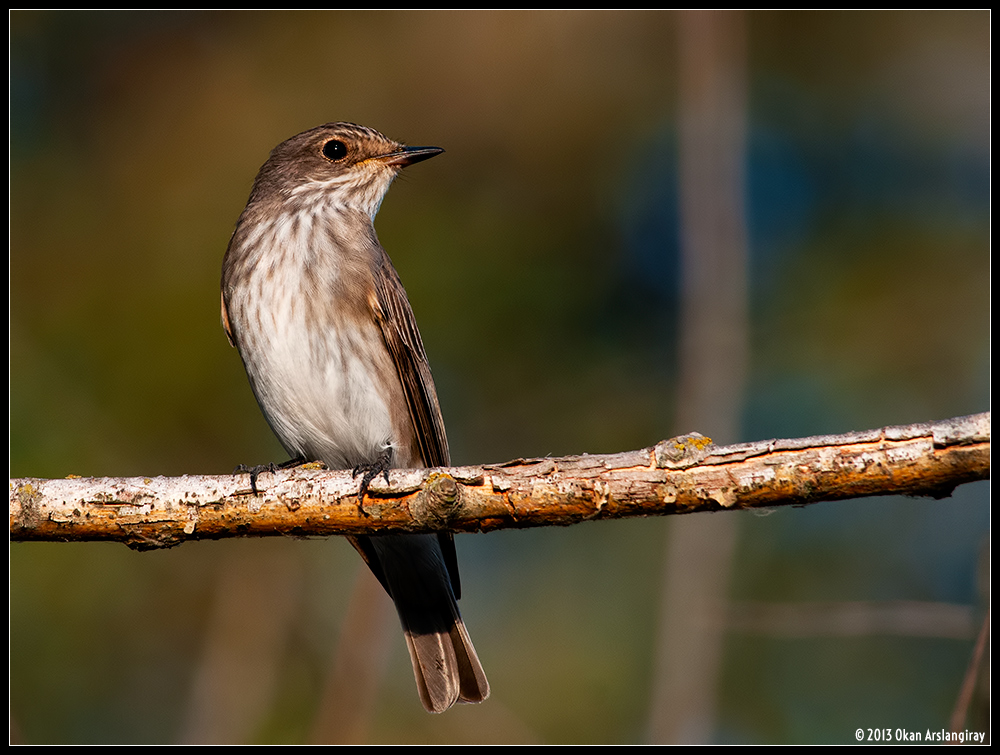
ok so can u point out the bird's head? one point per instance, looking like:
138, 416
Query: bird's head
338, 163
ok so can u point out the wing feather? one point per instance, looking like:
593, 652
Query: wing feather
394, 316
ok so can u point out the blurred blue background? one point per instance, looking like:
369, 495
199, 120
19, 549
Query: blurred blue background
541, 256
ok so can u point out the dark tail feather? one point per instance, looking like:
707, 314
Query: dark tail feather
473, 687
446, 668
445, 665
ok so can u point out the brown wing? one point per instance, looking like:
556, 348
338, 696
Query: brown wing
225, 322
395, 318
399, 330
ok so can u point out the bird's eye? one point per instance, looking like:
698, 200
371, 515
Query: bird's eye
334, 150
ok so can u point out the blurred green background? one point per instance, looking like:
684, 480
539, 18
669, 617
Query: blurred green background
540, 253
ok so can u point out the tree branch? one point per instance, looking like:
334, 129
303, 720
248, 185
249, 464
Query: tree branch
677, 476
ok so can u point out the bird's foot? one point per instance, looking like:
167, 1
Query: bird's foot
371, 470
271, 467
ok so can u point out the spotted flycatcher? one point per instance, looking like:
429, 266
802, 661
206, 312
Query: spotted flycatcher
319, 316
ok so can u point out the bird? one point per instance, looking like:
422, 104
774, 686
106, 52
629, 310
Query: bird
322, 323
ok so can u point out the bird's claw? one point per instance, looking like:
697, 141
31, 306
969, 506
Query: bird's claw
254, 473
271, 467
371, 470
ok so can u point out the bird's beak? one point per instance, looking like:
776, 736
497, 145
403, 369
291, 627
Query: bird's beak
409, 155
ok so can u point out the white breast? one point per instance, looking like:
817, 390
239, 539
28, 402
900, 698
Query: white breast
317, 369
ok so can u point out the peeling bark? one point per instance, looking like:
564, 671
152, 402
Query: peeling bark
677, 476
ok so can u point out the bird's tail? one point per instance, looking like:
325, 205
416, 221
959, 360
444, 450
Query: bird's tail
446, 667
413, 571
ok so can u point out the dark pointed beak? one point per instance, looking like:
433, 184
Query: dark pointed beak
409, 155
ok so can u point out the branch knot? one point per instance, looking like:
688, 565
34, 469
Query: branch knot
438, 502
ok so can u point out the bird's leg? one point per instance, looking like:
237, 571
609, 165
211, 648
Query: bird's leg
371, 470
269, 467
